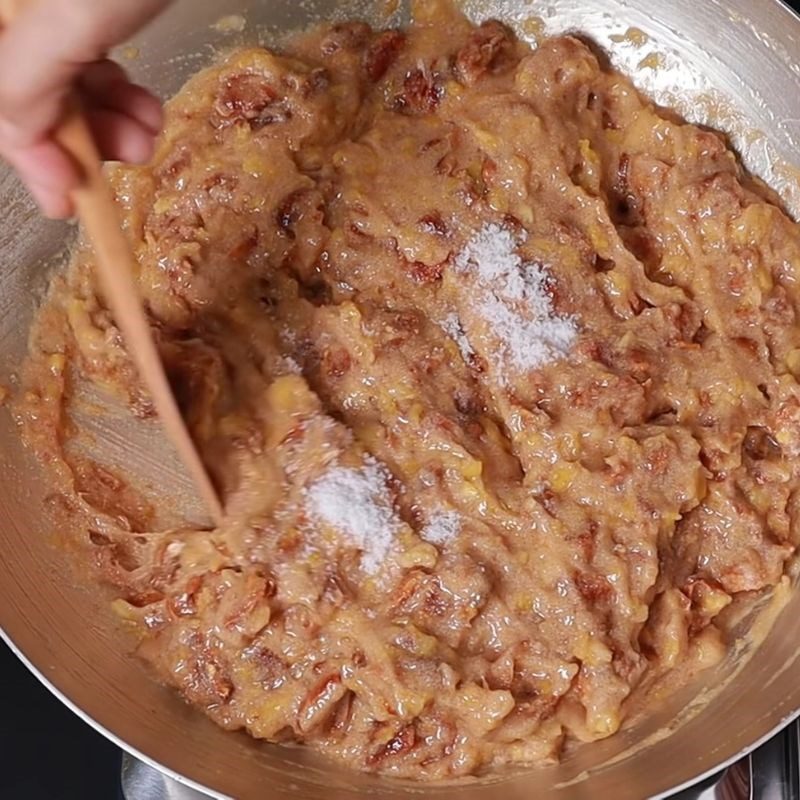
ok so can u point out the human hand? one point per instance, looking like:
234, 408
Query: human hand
51, 47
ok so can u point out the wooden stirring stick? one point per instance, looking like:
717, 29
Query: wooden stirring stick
116, 266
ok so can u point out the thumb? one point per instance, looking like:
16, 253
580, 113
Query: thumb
47, 46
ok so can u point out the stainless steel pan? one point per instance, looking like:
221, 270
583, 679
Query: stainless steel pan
734, 64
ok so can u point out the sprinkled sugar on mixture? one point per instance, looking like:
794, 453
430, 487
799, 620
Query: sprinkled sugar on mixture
453, 328
357, 504
496, 369
441, 528
512, 300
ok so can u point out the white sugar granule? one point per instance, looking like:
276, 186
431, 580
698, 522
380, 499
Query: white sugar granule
451, 325
514, 301
356, 502
492, 255
442, 527
291, 366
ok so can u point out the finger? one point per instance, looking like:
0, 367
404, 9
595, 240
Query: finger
119, 137
100, 75
138, 103
49, 173
32, 90
106, 85
53, 204
44, 163
65, 36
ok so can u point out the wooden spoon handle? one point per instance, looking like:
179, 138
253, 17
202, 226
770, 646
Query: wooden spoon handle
117, 268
